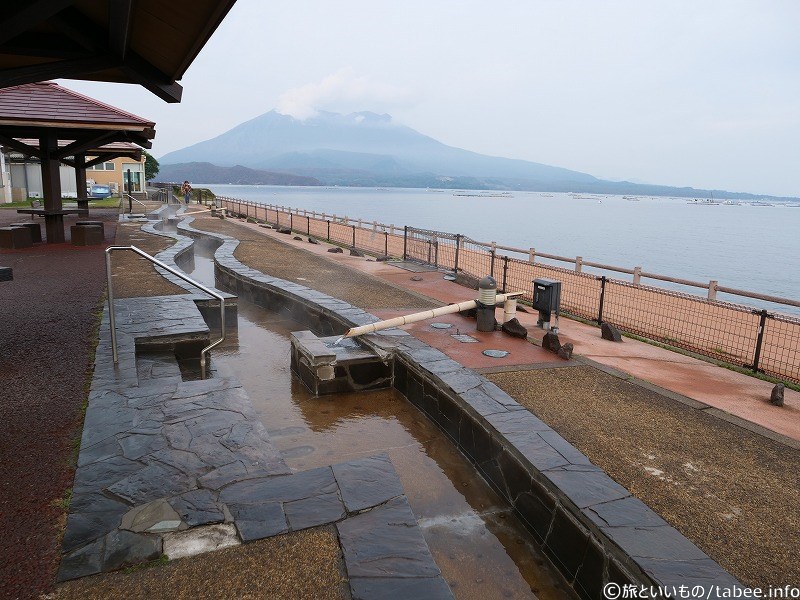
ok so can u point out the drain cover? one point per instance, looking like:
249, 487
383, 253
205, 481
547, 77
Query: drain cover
464, 338
495, 353
441, 325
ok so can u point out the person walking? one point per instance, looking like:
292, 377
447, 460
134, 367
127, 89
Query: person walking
186, 190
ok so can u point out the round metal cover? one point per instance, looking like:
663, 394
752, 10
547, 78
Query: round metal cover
495, 353
441, 325
449, 277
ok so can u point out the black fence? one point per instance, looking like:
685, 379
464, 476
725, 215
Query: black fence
762, 341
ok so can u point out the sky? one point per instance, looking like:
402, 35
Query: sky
675, 92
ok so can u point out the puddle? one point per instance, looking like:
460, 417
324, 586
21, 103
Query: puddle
480, 546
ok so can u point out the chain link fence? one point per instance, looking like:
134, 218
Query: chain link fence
763, 341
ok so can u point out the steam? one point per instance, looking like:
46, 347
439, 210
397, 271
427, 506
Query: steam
344, 91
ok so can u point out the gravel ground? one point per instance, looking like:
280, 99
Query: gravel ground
47, 338
281, 260
732, 492
135, 276
305, 564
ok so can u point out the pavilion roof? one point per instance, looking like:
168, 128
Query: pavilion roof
146, 42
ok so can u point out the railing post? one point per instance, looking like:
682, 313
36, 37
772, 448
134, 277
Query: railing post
505, 273
578, 264
291, 221
354, 236
602, 299
329, 230
429, 252
762, 323
712, 289
405, 241
491, 265
531, 254
637, 275
386, 243
458, 246
308, 225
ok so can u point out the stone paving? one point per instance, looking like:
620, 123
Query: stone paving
169, 466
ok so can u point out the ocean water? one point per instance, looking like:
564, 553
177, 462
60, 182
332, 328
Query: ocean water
747, 247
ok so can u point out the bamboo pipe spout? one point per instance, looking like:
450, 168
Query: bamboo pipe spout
421, 316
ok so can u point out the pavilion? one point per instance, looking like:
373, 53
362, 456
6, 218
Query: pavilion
67, 127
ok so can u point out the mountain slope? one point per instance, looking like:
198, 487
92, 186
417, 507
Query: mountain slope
203, 172
359, 141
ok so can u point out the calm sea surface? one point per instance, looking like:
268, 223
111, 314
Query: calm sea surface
747, 247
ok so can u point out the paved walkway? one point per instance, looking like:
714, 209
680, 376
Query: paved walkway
726, 506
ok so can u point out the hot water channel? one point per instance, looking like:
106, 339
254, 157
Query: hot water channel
480, 546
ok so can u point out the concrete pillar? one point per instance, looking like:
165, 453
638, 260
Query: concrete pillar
637, 275
531, 254
578, 264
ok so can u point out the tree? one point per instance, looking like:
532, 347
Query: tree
151, 166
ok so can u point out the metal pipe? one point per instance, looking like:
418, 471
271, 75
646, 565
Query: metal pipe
421, 316
179, 274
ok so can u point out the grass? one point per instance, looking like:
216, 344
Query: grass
111, 202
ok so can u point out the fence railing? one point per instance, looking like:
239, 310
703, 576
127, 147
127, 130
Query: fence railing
763, 341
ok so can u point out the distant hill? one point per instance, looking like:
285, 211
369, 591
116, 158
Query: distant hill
367, 149
204, 172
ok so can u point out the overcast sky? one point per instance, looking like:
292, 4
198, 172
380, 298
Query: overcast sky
677, 92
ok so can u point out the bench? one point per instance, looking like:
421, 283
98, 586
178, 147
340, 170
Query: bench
36, 230
86, 235
15, 237
100, 223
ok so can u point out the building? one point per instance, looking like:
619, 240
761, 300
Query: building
22, 177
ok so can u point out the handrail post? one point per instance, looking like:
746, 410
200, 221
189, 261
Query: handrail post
760, 339
602, 299
458, 247
405, 241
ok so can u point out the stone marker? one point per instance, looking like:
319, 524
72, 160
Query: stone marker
609, 332
383, 258
551, 342
298, 238
777, 395
416, 278
515, 329
265, 226
356, 252
312, 240
565, 351
285, 230
335, 250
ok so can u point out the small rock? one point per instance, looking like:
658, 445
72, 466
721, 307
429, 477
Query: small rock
515, 329
416, 278
609, 332
551, 342
383, 258
285, 230
356, 252
251, 220
777, 395
265, 226
298, 238
335, 250
565, 351
312, 240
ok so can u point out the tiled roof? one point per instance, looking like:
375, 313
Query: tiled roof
48, 102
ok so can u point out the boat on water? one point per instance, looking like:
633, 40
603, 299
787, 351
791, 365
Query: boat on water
631, 198
761, 203
484, 194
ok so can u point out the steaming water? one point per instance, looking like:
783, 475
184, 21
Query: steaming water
746, 247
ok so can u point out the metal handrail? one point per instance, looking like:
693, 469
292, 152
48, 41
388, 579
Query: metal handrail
175, 272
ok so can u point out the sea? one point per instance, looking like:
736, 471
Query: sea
748, 246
